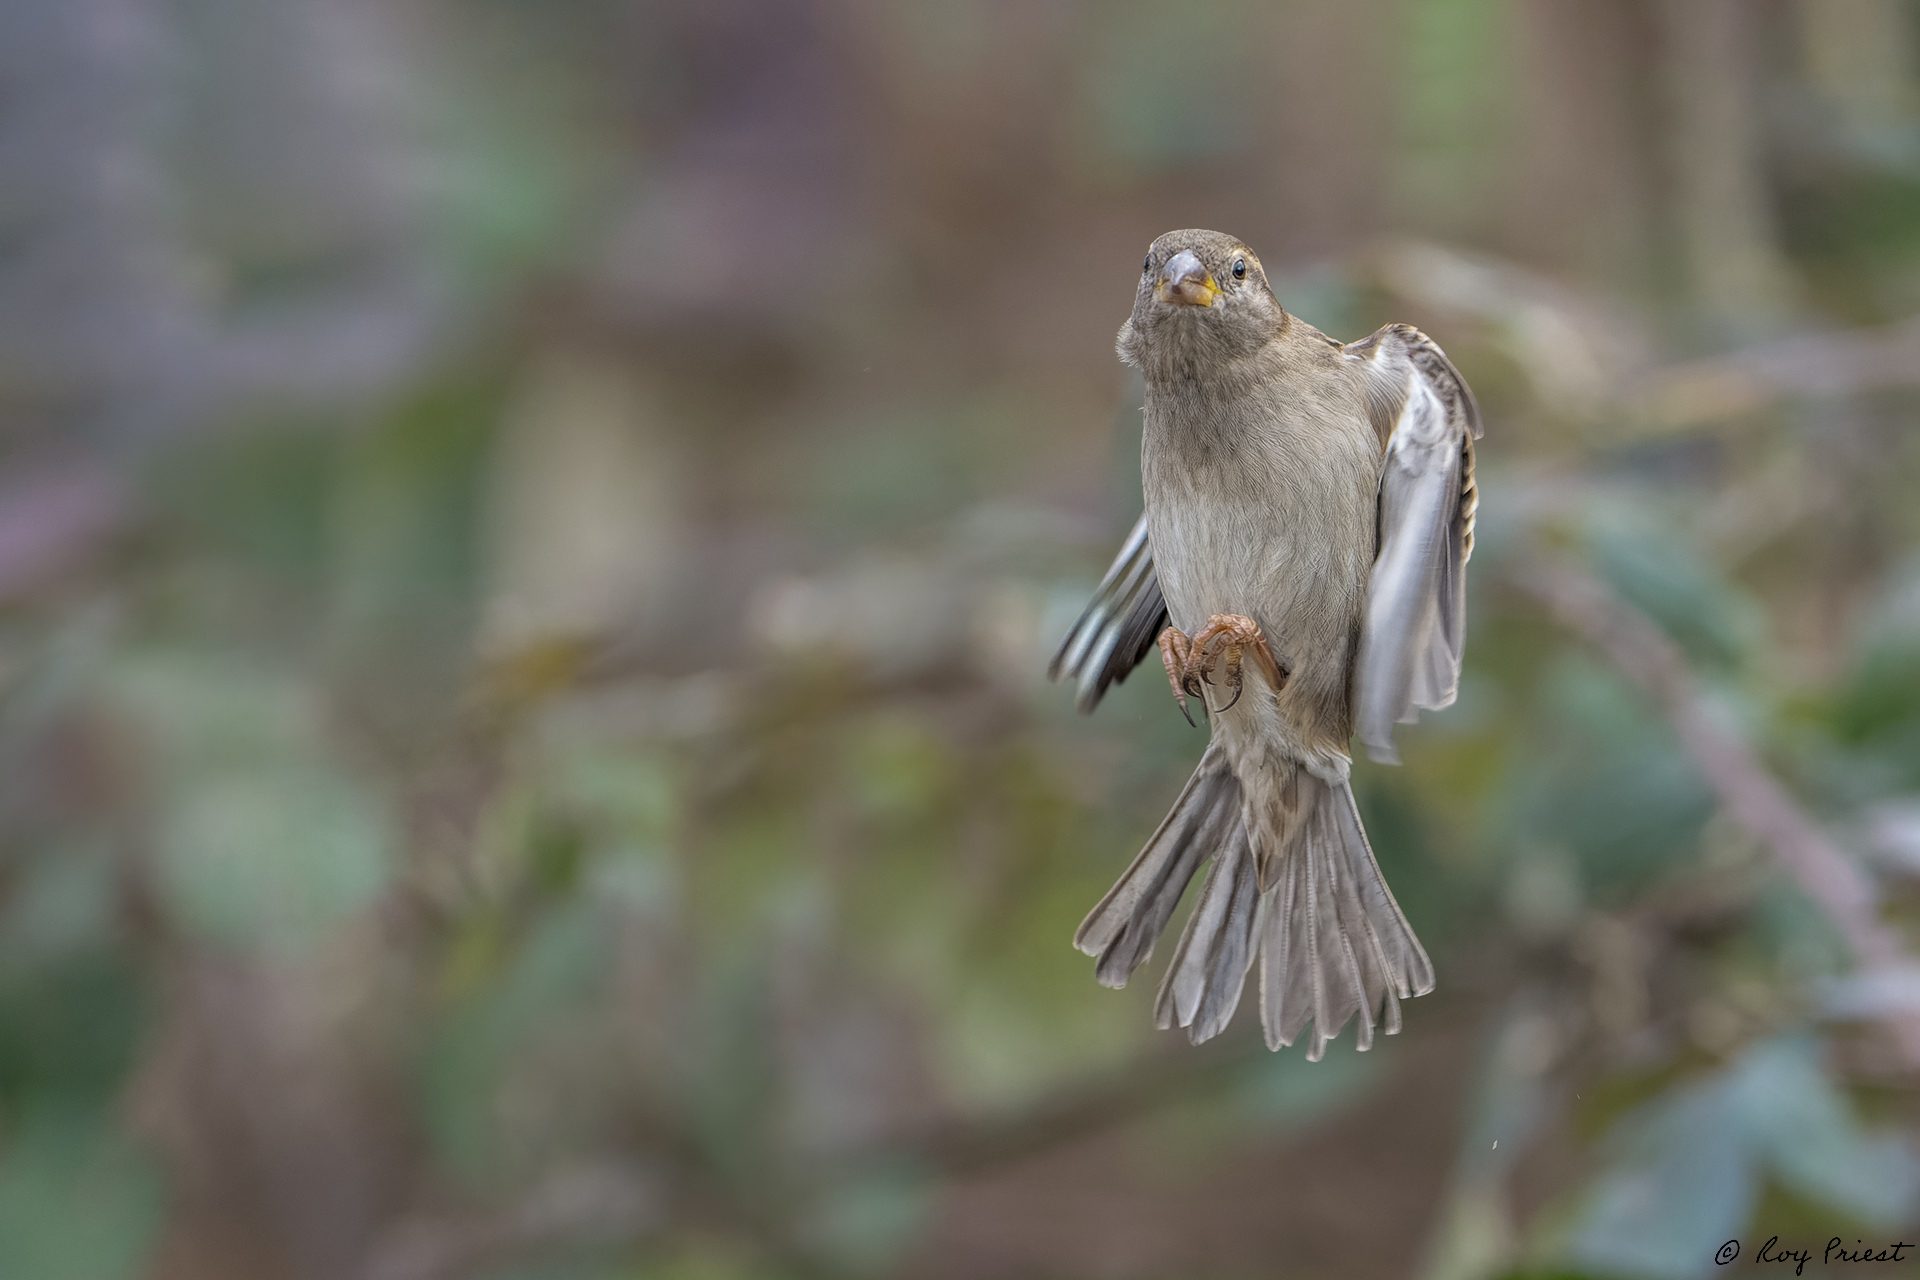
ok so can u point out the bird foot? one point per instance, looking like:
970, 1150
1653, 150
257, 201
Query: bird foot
1174, 647
1224, 644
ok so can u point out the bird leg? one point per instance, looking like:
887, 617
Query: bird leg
1174, 648
1239, 636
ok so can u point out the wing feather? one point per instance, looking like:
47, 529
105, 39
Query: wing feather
1414, 633
1119, 625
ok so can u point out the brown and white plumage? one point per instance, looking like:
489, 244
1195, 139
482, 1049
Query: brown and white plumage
1415, 625
1118, 629
1325, 491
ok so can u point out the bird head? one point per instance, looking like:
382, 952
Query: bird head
1202, 302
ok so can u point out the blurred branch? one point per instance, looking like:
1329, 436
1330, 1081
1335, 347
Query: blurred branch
1588, 356
1750, 795
1846, 363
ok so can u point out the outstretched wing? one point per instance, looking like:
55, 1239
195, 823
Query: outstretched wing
1415, 626
1118, 627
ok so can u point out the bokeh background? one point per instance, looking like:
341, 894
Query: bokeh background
530, 537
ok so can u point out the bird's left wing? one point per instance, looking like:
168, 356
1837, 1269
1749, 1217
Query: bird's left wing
1118, 627
1415, 627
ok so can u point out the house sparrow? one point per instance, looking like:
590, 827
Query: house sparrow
1301, 568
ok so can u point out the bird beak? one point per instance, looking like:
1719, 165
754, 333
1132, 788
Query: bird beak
1185, 282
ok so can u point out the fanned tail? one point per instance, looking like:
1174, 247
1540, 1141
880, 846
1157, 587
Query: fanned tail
1328, 938
1333, 942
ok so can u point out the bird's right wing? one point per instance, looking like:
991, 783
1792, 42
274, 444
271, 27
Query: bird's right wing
1118, 627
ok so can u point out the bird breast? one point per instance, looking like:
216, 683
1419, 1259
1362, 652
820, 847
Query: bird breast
1264, 505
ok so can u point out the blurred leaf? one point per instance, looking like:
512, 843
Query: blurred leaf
509, 1071
40, 678
208, 709
69, 1031
262, 840
514, 990
1877, 707
1687, 1167
1683, 1180
1657, 569
634, 796
865, 1222
71, 1024
62, 907
732, 1083
77, 1201
1615, 789
512, 168
271, 856
405, 510
1807, 1131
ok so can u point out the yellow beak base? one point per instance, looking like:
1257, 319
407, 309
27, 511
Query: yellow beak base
1188, 291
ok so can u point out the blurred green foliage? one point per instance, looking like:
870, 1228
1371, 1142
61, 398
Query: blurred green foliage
528, 552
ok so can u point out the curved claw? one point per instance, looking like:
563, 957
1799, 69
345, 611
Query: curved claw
1174, 653
1241, 635
1239, 687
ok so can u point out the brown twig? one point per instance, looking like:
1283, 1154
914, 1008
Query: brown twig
1748, 792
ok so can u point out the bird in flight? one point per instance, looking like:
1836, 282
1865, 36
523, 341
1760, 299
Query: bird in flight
1301, 570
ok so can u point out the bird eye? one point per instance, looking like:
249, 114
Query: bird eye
1239, 268
1146, 264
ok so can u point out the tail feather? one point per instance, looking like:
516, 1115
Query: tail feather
1348, 991
1406, 960
1202, 986
1122, 928
1335, 944
1281, 1018
1367, 960
1331, 944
